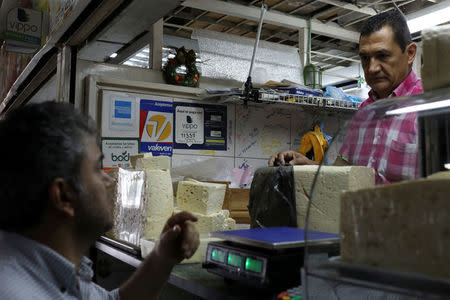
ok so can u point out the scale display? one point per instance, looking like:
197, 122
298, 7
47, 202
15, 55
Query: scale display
265, 257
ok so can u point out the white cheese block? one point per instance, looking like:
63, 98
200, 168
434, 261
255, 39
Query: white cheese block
200, 197
436, 57
231, 224
159, 201
332, 180
402, 226
213, 222
153, 163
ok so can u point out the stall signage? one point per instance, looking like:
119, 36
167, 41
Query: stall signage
156, 119
189, 125
117, 152
23, 29
200, 126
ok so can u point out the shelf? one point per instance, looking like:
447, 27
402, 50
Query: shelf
307, 102
366, 277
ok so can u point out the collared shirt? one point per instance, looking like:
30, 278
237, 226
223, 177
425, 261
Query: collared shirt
389, 144
30, 270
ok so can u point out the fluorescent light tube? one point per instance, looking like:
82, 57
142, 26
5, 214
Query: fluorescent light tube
429, 17
419, 107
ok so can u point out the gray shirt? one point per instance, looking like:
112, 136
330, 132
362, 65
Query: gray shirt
30, 270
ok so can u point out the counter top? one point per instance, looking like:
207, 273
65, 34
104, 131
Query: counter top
194, 279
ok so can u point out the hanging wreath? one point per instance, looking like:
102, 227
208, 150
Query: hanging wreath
188, 59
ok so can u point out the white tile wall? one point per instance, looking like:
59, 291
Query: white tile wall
254, 133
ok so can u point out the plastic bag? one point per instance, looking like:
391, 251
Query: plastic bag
272, 198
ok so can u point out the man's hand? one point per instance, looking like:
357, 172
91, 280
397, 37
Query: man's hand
179, 238
290, 157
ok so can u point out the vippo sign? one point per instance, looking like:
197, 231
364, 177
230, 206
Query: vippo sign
23, 29
156, 123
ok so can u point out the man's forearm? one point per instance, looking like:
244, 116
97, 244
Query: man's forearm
148, 280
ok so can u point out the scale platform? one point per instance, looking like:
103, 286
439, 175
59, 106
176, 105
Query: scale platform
266, 257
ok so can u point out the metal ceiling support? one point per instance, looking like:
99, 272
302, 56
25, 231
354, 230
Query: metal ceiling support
217, 22
330, 63
195, 19
156, 44
278, 4
350, 12
326, 12
365, 18
364, 10
126, 52
335, 56
105, 9
275, 18
63, 74
174, 14
237, 25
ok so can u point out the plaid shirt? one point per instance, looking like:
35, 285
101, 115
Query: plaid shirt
389, 144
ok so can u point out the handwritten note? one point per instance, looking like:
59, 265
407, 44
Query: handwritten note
261, 131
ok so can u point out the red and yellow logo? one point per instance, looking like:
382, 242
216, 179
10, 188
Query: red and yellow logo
158, 127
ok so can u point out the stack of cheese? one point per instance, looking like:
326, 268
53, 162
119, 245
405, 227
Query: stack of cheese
159, 193
205, 201
331, 181
436, 57
402, 226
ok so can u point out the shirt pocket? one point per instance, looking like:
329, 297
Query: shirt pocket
402, 161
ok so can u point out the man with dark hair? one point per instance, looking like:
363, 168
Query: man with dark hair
388, 145
54, 206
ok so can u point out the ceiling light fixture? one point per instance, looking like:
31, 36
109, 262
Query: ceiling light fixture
419, 107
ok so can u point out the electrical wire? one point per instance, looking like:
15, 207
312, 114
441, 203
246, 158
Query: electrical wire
311, 198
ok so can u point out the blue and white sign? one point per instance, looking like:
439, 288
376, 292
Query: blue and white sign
123, 114
200, 126
155, 127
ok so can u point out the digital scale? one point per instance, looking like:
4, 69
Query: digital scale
266, 257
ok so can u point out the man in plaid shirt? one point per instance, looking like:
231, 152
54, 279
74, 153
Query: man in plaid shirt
389, 144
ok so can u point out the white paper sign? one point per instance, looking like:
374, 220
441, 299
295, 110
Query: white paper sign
189, 125
117, 152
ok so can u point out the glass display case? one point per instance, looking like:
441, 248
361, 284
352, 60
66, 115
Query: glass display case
394, 235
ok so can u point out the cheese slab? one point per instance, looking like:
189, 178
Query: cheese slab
436, 57
153, 162
332, 180
159, 201
402, 226
200, 197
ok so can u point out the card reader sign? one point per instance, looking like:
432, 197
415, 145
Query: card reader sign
122, 109
189, 125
